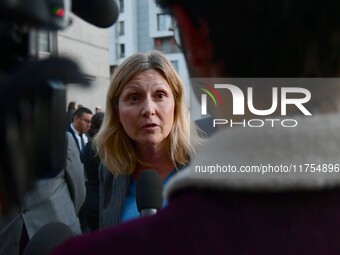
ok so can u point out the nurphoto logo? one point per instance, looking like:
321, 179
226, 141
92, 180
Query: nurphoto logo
243, 102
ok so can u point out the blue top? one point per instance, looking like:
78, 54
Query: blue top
130, 205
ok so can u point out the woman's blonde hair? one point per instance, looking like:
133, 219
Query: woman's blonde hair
115, 148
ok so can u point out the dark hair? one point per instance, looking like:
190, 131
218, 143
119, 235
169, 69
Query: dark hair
71, 106
96, 123
266, 38
80, 111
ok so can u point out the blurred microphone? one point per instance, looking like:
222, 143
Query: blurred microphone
100, 13
149, 193
47, 238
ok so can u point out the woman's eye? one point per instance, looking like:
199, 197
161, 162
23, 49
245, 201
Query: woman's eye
161, 95
133, 98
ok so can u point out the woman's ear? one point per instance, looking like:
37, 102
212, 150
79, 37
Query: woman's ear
195, 40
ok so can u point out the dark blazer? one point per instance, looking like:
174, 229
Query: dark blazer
112, 195
91, 163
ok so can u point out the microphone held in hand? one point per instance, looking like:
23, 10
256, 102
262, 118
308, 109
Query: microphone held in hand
47, 238
149, 189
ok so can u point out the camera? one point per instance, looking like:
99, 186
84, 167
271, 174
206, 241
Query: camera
32, 98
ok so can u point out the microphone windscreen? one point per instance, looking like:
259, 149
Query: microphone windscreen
47, 238
149, 189
100, 13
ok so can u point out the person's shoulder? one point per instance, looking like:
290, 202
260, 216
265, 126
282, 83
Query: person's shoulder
104, 171
107, 176
68, 135
71, 144
69, 129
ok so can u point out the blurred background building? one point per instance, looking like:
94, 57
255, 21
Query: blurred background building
141, 26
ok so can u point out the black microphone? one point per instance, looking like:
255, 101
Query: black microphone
47, 238
149, 189
100, 13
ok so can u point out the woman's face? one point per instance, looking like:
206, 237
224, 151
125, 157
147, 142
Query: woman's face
146, 108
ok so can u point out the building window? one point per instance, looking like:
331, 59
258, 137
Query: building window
166, 45
122, 50
161, 22
175, 64
121, 27
44, 41
121, 6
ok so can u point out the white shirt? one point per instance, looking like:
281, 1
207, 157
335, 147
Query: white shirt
77, 134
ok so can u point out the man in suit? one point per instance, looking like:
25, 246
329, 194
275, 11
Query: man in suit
80, 125
54, 199
292, 212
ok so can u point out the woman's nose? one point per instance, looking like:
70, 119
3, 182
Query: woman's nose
148, 107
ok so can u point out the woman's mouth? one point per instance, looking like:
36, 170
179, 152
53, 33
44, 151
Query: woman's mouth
150, 126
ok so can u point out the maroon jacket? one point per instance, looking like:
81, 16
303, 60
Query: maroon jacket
206, 221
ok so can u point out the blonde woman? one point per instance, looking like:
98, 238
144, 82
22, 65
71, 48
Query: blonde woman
146, 126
